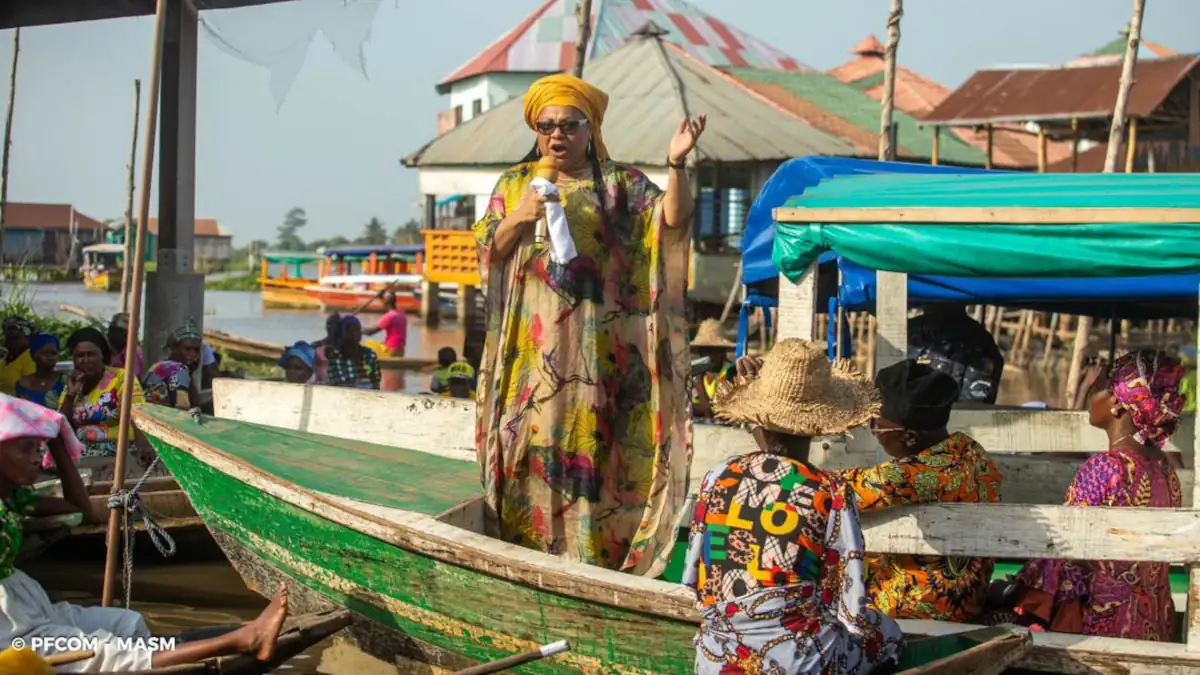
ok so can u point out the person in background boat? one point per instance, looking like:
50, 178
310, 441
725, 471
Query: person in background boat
929, 465
333, 326
118, 336
26, 611
45, 385
1187, 386
91, 400
440, 383
394, 325
775, 551
172, 381
582, 425
351, 364
1138, 405
950, 340
18, 362
461, 382
711, 345
299, 363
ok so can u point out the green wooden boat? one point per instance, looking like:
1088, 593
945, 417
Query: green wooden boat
395, 536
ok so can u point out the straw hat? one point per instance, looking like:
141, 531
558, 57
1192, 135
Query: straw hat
709, 335
799, 392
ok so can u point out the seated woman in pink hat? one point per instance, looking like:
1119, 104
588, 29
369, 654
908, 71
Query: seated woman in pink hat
775, 554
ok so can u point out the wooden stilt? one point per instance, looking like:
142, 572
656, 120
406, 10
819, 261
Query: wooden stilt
990, 147
127, 266
8, 122
1131, 145
1050, 335
887, 146
937, 143
135, 309
1041, 157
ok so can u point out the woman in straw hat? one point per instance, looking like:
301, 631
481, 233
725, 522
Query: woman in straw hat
710, 344
583, 429
775, 551
929, 464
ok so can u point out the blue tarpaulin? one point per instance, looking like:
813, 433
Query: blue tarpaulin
793, 178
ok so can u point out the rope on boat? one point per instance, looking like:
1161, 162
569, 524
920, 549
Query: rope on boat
130, 504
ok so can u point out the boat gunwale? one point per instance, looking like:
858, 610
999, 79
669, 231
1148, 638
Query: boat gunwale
446, 543
428, 536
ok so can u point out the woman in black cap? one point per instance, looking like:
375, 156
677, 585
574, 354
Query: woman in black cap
929, 464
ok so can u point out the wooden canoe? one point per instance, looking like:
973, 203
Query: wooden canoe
299, 634
268, 352
161, 497
395, 536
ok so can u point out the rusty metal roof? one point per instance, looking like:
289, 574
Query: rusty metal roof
651, 85
1058, 93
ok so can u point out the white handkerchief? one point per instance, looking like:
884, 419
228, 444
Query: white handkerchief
562, 246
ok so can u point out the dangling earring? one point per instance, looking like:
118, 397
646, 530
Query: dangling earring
1116, 412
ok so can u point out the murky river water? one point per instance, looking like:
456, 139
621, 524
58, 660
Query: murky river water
198, 587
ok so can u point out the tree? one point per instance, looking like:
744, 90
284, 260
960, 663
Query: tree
408, 233
374, 233
289, 240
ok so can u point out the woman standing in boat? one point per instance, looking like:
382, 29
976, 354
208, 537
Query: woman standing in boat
929, 465
26, 611
46, 384
775, 554
584, 431
1138, 405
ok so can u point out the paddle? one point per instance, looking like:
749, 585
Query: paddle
68, 657
545, 651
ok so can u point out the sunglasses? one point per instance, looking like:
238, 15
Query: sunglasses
568, 127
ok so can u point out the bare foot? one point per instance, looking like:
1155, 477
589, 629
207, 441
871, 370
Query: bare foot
260, 635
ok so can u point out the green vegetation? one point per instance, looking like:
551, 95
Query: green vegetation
255, 370
16, 303
245, 282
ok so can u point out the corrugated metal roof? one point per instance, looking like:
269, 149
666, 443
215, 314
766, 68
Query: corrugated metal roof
839, 105
544, 42
651, 85
1047, 94
35, 216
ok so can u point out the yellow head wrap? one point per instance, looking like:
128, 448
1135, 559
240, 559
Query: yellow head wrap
23, 662
568, 90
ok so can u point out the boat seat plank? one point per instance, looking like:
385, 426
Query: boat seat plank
367, 472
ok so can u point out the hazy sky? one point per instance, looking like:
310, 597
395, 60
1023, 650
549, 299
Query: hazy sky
334, 146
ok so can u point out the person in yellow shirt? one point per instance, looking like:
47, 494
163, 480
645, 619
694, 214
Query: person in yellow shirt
461, 380
1187, 386
19, 362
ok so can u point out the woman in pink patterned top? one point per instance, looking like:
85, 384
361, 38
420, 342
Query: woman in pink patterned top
1139, 405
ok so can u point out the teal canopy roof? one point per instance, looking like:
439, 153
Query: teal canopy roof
288, 257
998, 250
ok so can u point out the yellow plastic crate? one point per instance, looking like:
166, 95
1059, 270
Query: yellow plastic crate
451, 257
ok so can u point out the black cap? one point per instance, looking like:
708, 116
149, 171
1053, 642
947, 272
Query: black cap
916, 396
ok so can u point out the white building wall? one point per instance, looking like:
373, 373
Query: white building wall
491, 90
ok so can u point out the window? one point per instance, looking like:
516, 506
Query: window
477, 107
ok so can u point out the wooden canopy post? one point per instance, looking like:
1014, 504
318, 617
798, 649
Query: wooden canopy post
135, 308
1074, 145
990, 144
1084, 330
887, 144
937, 143
798, 306
1041, 153
1191, 630
1131, 145
583, 15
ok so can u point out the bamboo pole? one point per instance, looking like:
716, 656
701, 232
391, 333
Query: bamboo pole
1084, 330
583, 14
937, 146
1041, 153
8, 122
135, 303
1050, 335
127, 268
733, 294
887, 145
990, 147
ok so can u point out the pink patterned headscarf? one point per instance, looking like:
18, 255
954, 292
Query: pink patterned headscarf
22, 419
1146, 383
